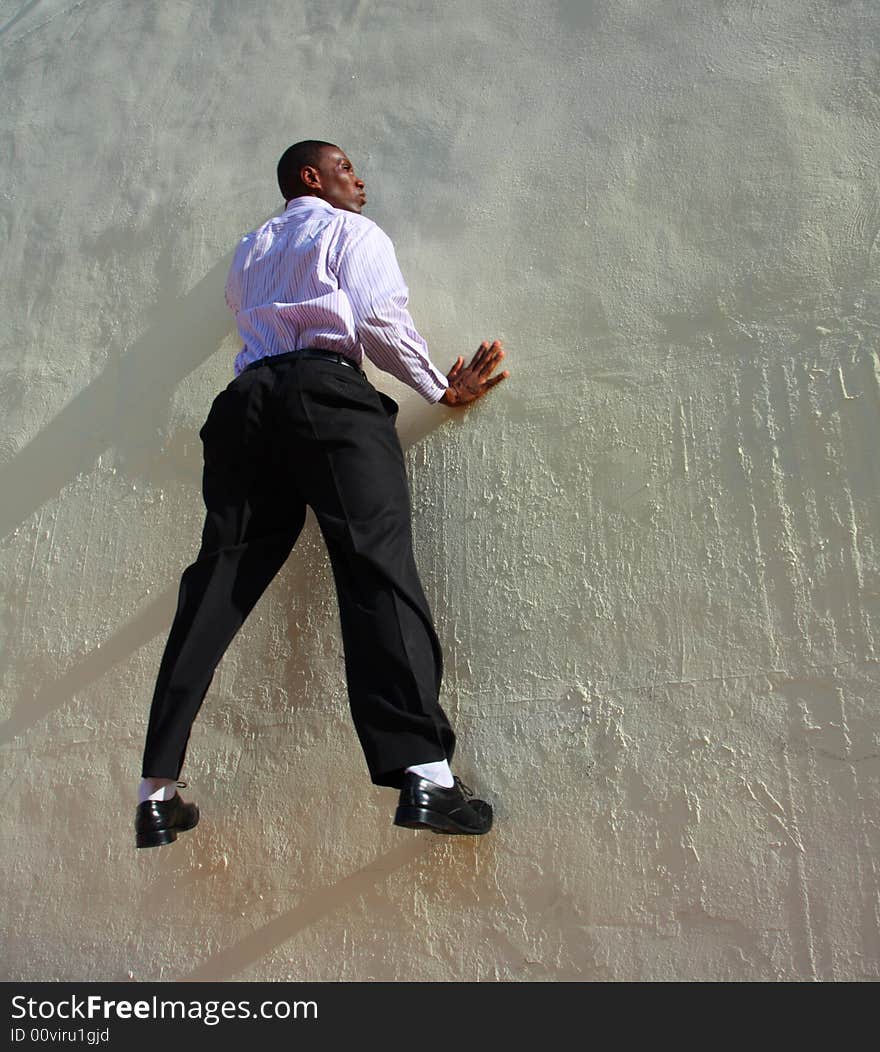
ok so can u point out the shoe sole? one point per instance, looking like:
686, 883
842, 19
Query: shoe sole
422, 818
160, 837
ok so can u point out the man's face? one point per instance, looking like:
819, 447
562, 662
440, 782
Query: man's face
339, 185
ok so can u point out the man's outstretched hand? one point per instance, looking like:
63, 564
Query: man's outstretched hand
467, 383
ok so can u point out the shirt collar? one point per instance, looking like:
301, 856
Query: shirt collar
307, 202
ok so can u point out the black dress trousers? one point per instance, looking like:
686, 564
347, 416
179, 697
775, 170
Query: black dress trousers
287, 433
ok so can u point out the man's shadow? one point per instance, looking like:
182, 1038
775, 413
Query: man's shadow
124, 408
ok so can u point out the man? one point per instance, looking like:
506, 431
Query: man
314, 290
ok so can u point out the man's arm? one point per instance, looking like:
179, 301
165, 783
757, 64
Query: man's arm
370, 276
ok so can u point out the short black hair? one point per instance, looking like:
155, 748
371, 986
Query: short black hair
291, 164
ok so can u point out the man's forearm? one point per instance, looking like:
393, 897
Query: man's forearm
407, 359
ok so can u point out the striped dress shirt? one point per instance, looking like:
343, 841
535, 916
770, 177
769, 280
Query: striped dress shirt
318, 276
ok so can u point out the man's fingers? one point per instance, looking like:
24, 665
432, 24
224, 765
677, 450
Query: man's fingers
486, 353
485, 349
489, 364
491, 360
456, 369
487, 384
477, 359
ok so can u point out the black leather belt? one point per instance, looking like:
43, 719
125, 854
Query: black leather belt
306, 352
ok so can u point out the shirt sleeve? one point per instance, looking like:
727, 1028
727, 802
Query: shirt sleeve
369, 275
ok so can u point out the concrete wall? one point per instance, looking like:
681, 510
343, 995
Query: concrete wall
652, 554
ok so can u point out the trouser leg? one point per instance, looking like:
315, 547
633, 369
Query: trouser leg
249, 531
392, 657
354, 478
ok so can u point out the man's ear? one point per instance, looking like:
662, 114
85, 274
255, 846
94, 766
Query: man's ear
310, 177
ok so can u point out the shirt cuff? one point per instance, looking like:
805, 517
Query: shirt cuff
433, 392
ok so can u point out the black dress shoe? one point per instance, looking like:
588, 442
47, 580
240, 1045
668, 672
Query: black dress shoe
158, 822
426, 805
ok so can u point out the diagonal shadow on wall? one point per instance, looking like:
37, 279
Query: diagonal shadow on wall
144, 626
131, 392
230, 962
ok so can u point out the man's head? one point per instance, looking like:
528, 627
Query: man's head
320, 169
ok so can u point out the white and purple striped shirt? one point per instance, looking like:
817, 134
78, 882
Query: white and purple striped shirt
318, 276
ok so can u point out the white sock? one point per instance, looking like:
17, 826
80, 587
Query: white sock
156, 789
438, 772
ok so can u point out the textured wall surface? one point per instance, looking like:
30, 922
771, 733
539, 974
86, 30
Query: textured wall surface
652, 554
